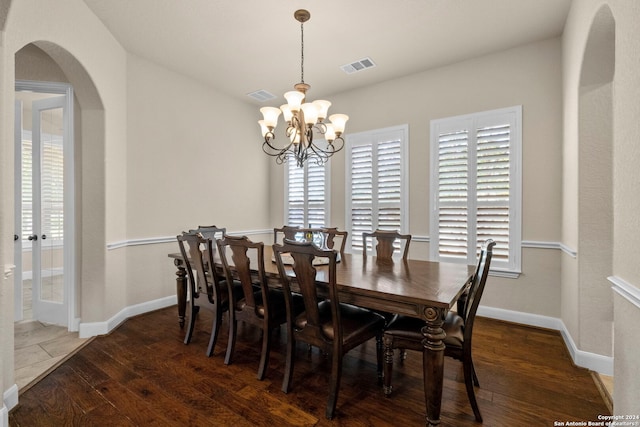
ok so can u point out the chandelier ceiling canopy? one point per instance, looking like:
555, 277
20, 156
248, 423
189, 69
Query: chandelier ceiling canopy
303, 119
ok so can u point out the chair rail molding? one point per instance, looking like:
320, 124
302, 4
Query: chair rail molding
550, 245
625, 290
172, 239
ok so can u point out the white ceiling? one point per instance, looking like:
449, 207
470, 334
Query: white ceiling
243, 46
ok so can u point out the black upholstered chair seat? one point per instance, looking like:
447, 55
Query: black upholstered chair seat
356, 321
409, 328
276, 304
224, 292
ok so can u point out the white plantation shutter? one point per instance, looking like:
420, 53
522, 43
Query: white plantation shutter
52, 188
361, 193
376, 182
306, 190
27, 187
316, 195
476, 188
453, 164
493, 188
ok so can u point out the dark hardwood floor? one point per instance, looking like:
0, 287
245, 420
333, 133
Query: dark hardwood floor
142, 374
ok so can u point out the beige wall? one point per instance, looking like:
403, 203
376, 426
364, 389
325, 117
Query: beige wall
137, 118
191, 160
193, 156
586, 18
529, 76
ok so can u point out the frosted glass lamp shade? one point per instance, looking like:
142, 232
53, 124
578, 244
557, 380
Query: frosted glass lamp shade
339, 122
263, 128
270, 115
323, 108
286, 113
310, 113
329, 134
294, 99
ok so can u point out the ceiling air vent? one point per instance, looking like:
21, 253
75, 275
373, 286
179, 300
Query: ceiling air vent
360, 65
261, 95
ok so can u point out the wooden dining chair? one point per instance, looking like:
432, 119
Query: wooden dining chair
331, 234
332, 326
205, 287
406, 332
210, 232
256, 304
214, 233
287, 231
385, 247
386, 243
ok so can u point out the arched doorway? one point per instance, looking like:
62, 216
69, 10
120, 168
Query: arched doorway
595, 188
48, 62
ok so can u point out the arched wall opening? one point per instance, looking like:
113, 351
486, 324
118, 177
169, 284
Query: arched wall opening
46, 61
595, 188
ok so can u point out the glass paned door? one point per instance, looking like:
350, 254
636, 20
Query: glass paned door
48, 118
42, 216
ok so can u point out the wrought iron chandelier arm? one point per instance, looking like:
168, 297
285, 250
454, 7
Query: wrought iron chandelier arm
320, 127
337, 144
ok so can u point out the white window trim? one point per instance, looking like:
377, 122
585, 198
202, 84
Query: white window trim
327, 192
375, 136
438, 126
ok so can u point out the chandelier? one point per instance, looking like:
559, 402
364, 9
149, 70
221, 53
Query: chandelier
303, 118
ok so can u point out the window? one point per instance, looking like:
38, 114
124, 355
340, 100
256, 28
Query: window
51, 188
377, 182
476, 187
307, 194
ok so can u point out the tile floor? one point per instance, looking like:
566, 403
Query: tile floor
39, 347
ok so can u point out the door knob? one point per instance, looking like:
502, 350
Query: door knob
44, 236
33, 237
16, 237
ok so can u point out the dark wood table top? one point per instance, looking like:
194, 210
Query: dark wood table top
404, 287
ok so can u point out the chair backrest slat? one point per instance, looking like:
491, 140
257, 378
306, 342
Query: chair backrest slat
385, 243
198, 254
211, 232
288, 232
303, 254
240, 247
331, 234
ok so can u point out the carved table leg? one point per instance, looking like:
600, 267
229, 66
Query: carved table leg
181, 291
433, 363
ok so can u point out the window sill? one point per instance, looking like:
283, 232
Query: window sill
509, 274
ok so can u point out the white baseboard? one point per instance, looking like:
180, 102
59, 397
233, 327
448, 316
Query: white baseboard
592, 361
584, 359
9, 401
92, 329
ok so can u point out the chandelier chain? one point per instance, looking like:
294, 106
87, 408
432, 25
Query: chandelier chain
302, 52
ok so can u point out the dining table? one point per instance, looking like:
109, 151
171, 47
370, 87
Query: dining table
418, 288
